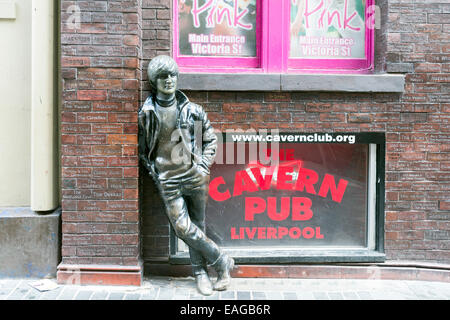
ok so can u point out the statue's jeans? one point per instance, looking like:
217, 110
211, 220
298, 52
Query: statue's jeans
185, 207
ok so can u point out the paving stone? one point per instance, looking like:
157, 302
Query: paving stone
274, 295
243, 295
4, 292
350, 296
335, 296
150, 294
364, 295
304, 295
289, 296
132, 296
68, 293
99, 295
320, 296
214, 296
8, 284
257, 295
181, 294
19, 293
51, 294
195, 295
83, 295
227, 295
166, 293
242, 289
33, 294
116, 296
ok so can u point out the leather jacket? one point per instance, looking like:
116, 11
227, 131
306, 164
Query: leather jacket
189, 115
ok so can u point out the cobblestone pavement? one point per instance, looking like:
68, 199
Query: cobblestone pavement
159, 288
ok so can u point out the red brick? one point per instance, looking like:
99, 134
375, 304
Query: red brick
75, 61
105, 194
130, 84
131, 18
122, 139
277, 96
130, 128
129, 150
93, 161
123, 117
75, 128
130, 63
91, 183
130, 194
107, 128
91, 95
91, 205
68, 74
122, 183
107, 84
68, 139
75, 150
131, 40
108, 172
91, 139
334, 117
68, 117
76, 172
130, 172
92, 117
427, 67
444, 205
122, 161
360, 117
107, 150
318, 107
107, 106
92, 28
131, 216
106, 239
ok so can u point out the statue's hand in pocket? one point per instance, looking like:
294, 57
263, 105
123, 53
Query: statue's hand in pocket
199, 176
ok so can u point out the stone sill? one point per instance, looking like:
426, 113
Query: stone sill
292, 82
274, 256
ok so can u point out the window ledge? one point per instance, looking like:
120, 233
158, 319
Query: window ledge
384, 82
294, 255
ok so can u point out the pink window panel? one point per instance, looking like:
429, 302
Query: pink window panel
330, 35
265, 36
221, 35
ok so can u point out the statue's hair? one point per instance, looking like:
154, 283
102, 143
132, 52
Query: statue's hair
159, 65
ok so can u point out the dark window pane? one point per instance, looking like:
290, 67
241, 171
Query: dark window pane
327, 205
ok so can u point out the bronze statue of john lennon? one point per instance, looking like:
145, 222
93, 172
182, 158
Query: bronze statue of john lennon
165, 119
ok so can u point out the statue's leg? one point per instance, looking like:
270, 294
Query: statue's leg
188, 231
196, 199
193, 235
196, 205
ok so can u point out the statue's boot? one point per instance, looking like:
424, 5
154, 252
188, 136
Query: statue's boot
223, 266
204, 285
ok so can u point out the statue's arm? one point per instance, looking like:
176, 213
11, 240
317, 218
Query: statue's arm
209, 146
143, 128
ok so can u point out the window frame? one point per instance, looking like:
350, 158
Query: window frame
217, 64
373, 251
272, 49
345, 65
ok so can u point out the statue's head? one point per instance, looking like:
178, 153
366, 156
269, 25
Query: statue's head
163, 74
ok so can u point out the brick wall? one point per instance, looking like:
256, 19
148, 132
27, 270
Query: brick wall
101, 74
104, 80
413, 39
